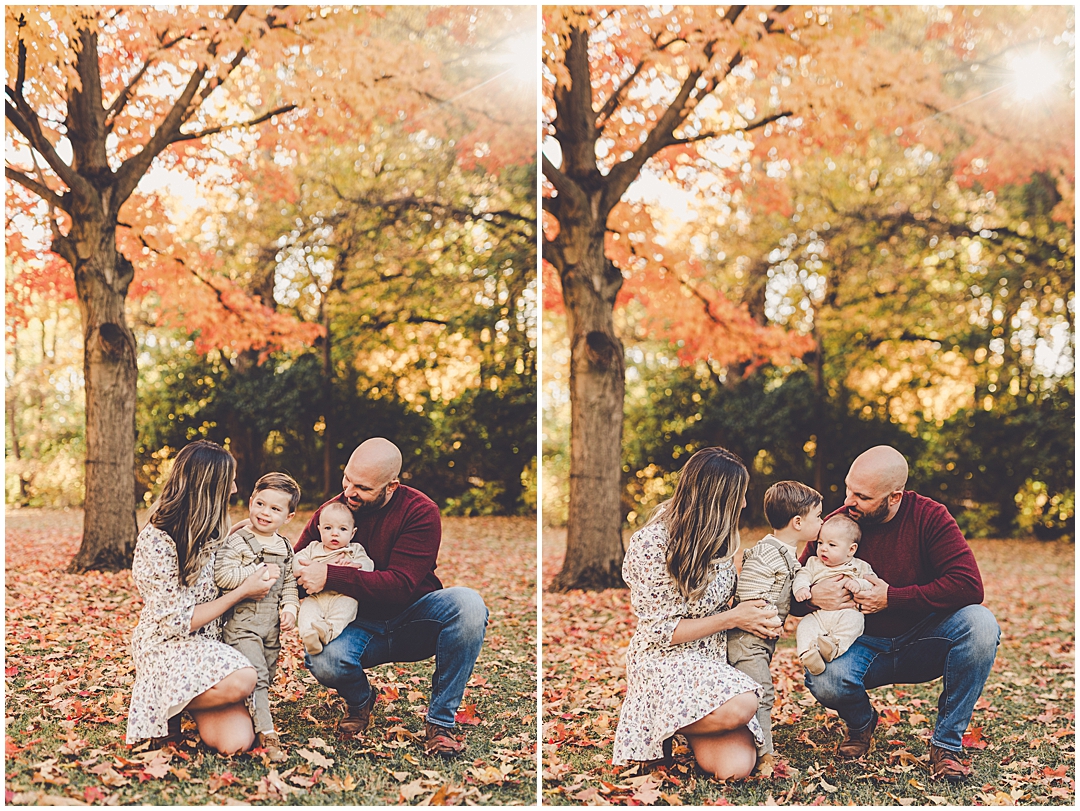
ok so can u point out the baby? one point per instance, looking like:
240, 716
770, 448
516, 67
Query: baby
323, 616
253, 626
768, 569
824, 635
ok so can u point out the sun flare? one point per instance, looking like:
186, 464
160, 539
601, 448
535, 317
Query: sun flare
1033, 75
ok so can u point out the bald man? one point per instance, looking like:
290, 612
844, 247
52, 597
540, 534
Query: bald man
404, 614
923, 615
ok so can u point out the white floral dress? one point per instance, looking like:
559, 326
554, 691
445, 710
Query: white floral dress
671, 686
172, 664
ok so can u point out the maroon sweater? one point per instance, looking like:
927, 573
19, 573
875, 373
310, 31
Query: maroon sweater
402, 538
924, 558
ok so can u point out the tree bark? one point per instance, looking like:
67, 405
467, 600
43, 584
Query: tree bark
102, 276
594, 548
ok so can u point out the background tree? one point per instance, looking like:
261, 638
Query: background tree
842, 76
130, 90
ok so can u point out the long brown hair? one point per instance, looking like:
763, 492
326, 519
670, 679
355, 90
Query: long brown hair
702, 517
193, 508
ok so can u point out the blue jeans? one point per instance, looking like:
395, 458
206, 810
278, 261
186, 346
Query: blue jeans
448, 624
959, 647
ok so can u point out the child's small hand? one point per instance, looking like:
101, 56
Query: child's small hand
802, 595
852, 585
288, 620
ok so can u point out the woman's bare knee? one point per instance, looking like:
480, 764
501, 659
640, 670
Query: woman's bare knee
228, 741
734, 768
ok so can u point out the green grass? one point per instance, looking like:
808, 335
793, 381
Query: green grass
1025, 717
69, 675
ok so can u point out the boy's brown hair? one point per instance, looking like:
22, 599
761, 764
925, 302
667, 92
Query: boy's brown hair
279, 481
784, 500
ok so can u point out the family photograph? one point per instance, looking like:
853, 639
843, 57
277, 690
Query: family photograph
808, 405
271, 413
540, 405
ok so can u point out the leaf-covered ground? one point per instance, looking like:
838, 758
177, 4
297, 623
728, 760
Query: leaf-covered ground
68, 679
1020, 742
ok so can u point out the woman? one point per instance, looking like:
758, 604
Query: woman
681, 575
180, 661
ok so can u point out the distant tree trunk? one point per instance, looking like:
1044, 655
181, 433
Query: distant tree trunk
246, 443
819, 412
9, 406
102, 276
330, 480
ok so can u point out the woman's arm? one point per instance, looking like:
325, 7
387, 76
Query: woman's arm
754, 616
256, 586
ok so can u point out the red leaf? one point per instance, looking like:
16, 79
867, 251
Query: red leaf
890, 717
390, 693
467, 715
973, 738
93, 794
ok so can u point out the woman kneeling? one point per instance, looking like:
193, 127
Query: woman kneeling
180, 661
681, 575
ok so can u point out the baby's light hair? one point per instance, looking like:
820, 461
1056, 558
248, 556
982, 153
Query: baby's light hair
846, 528
337, 506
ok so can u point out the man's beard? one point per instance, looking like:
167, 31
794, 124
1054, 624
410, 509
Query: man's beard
876, 516
369, 506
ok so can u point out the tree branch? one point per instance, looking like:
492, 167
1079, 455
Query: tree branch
41, 190
191, 136
564, 184
26, 121
120, 102
748, 128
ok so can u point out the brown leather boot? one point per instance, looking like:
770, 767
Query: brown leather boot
357, 719
441, 741
857, 744
946, 765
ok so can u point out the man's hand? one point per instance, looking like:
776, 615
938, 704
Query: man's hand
831, 595
874, 599
310, 575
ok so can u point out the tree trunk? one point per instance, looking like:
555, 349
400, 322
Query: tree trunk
102, 276
245, 442
330, 480
11, 413
594, 548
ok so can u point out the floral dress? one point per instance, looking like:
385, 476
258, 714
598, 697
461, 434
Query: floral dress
172, 664
670, 686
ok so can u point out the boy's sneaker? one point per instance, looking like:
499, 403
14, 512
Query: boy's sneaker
272, 744
946, 765
765, 766
357, 719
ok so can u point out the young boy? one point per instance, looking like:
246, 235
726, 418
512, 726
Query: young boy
323, 616
253, 626
824, 635
794, 512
